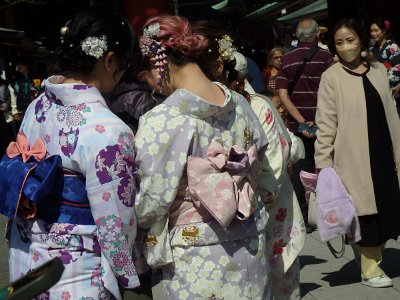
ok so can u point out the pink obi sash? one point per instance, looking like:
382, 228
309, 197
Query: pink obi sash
220, 186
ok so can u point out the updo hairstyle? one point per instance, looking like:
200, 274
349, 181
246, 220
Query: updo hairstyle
176, 35
209, 56
118, 34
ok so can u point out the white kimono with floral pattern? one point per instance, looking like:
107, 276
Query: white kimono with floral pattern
285, 229
74, 122
200, 260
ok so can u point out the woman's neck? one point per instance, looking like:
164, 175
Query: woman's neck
191, 78
382, 42
358, 65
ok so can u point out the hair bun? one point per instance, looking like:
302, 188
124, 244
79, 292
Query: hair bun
188, 44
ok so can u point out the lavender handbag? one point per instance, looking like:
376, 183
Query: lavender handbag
336, 212
331, 208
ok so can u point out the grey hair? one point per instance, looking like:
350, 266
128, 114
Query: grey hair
307, 30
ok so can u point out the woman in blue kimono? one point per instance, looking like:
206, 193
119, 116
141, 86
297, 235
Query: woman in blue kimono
69, 181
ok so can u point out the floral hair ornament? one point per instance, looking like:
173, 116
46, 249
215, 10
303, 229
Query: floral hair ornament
94, 46
387, 24
226, 48
149, 46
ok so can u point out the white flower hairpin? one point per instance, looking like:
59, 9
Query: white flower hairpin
226, 48
94, 46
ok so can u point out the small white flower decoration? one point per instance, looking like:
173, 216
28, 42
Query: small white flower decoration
226, 48
94, 46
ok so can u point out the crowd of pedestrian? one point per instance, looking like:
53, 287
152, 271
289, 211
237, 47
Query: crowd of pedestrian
168, 153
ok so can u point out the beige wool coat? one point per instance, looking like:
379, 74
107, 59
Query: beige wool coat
342, 138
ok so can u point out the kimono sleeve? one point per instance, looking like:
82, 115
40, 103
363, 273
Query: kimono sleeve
273, 164
161, 146
111, 179
326, 120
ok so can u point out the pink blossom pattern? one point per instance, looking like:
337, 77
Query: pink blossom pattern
293, 232
47, 138
65, 295
268, 116
106, 196
35, 257
100, 128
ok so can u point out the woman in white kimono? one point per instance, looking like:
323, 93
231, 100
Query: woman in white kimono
77, 199
200, 154
285, 230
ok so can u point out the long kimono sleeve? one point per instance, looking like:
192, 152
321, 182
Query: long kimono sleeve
111, 187
161, 145
326, 120
277, 153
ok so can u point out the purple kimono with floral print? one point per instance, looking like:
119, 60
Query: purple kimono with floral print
74, 122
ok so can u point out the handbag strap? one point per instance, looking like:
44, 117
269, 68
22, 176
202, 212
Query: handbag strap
336, 253
308, 55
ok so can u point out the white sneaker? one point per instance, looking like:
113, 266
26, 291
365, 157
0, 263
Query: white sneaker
378, 282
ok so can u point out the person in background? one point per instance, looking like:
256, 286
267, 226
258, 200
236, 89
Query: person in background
322, 38
23, 88
200, 154
131, 99
364, 150
80, 205
5, 107
387, 52
300, 97
286, 41
274, 62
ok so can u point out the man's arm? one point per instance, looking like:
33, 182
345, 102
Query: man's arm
289, 106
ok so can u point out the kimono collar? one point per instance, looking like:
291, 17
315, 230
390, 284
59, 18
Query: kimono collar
69, 94
190, 104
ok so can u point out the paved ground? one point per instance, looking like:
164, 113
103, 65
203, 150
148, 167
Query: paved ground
323, 277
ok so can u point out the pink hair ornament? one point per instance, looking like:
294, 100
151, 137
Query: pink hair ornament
387, 24
151, 47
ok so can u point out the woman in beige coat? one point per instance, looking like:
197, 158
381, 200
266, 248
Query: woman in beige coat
359, 135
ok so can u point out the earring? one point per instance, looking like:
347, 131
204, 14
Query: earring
336, 58
364, 54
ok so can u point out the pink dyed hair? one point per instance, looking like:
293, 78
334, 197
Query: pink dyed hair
176, 33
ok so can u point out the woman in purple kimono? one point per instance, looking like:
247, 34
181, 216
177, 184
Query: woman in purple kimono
69, 181
201, 158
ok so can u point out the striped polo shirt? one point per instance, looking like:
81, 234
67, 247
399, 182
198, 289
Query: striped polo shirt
304, 95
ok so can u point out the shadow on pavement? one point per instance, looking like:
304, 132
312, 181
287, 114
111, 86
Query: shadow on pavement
348, 274
390, 262
310, 260
306, 287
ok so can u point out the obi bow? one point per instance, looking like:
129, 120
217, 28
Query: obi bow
225, 181
26, 174
21, 147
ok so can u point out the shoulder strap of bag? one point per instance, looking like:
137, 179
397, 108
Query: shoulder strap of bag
307, 58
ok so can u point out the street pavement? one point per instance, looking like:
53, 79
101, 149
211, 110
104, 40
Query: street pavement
322, 277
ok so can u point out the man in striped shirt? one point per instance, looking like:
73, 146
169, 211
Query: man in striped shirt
301, 103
